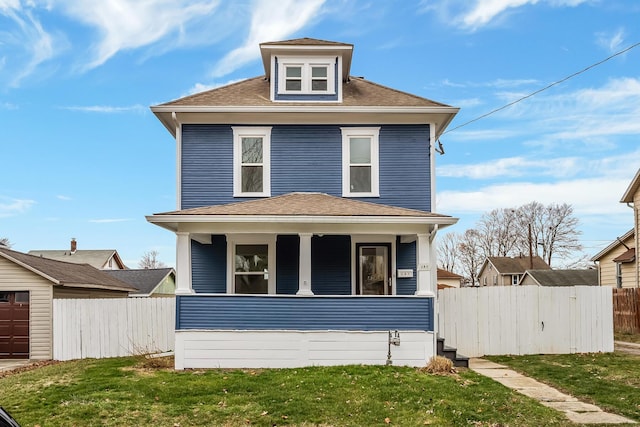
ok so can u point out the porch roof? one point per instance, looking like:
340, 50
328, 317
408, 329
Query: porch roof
301, 208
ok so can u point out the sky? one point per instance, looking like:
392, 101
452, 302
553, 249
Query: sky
83, 156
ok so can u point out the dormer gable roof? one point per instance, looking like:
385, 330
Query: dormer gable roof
306, 46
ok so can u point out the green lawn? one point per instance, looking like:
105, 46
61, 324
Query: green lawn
609, 380
124, 392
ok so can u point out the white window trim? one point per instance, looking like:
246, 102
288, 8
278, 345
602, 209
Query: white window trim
254, 239
374, 134
240, 132
306, 63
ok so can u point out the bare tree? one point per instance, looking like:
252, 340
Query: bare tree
498, 232
554, 230
5, 242
150, 260
505, 232
471, 256
448, 251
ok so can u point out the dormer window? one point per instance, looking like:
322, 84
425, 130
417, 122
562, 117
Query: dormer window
307, 76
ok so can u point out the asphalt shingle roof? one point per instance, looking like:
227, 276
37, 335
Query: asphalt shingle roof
517, 265
306, 204
305, 41
565, 277
94, 257
253, 92
68, 274
145, 280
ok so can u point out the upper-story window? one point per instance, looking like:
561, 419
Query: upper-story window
306, 75
360, 168
251, 161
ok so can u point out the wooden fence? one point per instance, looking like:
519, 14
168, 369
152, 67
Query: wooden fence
112, 327
526, 320
626, 310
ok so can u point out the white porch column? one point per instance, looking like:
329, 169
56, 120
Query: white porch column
304, 276
424, 280
183, 263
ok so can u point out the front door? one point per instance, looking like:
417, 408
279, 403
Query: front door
374, 269
14, 325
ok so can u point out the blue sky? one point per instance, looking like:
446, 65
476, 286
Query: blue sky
82, 155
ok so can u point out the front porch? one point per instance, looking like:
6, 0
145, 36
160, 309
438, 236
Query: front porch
275, 331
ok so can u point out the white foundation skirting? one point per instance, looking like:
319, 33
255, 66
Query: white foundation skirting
289, 349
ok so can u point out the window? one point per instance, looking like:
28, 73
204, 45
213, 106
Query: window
360, 162
302, 76
251, 270
618, 275
293, 78
515, 279
252, 161
251, 265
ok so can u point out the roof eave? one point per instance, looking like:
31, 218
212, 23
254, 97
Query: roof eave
172, 222
627, 197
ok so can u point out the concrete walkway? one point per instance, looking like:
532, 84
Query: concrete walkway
627, 347
574, 410
10, 364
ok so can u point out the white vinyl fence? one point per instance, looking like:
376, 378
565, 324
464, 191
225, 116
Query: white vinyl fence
112, 327
526, 320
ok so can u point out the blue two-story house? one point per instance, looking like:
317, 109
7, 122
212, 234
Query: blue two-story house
305, 230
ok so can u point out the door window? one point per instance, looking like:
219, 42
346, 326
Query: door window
373, 269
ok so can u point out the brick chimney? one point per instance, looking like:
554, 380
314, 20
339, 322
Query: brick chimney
74, 245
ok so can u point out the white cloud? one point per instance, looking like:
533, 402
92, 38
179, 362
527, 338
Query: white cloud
130, 24
107, 109
512, 167
109, 220
27, 38
474, 15
269, 23
10, 206
62, 197
611, 42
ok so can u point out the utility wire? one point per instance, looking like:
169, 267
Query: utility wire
543, 89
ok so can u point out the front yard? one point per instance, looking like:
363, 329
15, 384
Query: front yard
126, 392
608, 380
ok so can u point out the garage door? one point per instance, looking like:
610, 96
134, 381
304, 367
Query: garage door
14, 325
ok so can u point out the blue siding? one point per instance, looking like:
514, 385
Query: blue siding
287, 264
331, 265
304, 313
209, 266
207, 165
406, 259
306, 158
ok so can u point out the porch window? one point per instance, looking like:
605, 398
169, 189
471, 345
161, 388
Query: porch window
360, 162
251, 265
251, 275
252, 161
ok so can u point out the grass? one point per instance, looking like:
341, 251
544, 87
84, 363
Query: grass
609, 380
125, 392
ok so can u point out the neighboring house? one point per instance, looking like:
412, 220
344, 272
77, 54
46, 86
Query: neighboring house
507, 271
448, 279
560, 277
28, 286
102, 259
617, 262
304, 223
632, 198
149, 282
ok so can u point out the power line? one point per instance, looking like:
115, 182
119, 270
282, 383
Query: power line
544, 88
